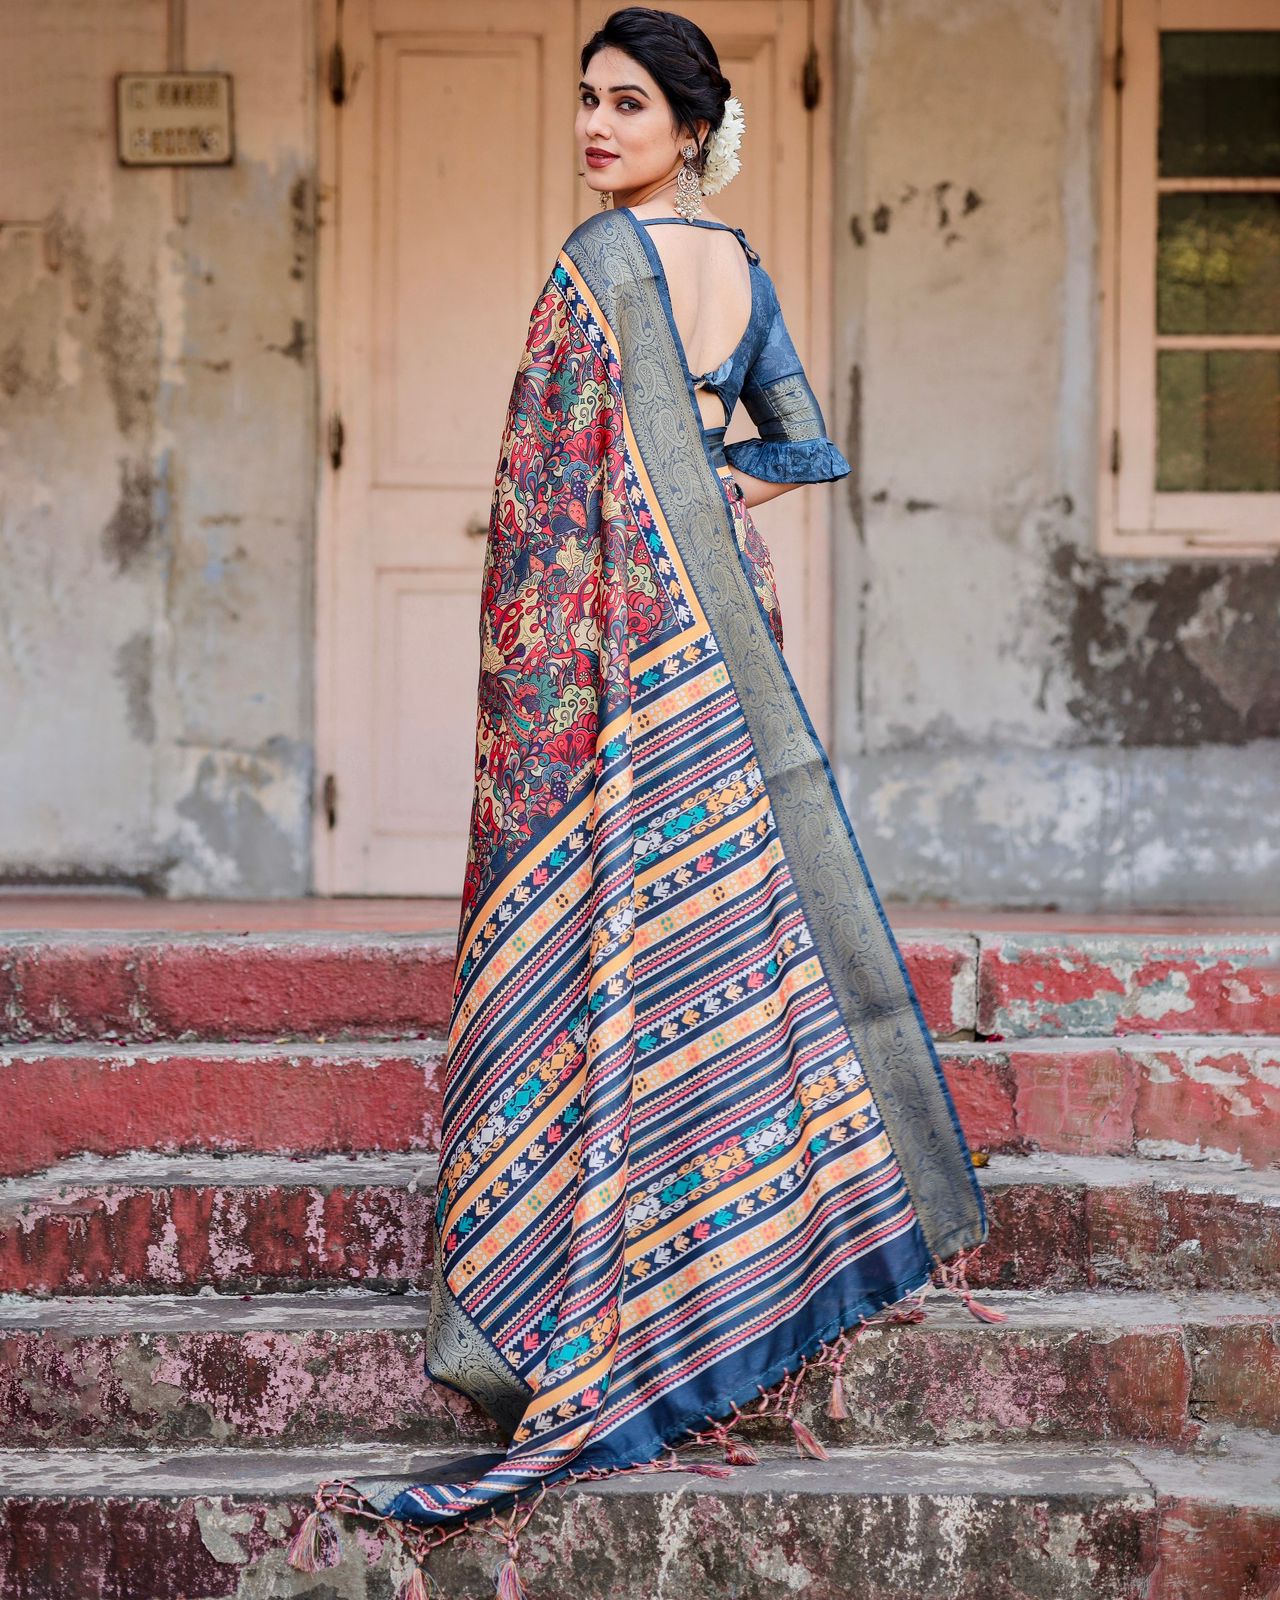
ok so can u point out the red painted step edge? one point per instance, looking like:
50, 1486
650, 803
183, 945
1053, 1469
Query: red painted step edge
343, 986
1188, 1098
304, 1100
54, 1546
1031, 985
224, 988
1049, 1228
156, 1238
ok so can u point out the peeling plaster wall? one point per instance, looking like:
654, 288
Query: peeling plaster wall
156, 434
1021, 721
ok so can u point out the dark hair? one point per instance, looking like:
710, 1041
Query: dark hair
679, 58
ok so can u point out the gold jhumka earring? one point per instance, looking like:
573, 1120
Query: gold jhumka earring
688, 186
606, 199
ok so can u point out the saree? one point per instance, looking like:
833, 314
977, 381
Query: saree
694, 1124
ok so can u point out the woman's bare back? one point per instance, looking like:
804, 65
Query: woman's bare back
709, 281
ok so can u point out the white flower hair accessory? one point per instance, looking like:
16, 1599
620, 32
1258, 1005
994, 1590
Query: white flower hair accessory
721, 165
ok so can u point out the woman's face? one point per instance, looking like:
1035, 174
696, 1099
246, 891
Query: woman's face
626, 141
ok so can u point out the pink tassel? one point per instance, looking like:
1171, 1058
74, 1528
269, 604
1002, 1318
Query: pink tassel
708, 1469
953, 1275
740, 1454
509, 1585
316, 1544
912, 1313
416, 1588
977, 1309
836, 1408
808, 1445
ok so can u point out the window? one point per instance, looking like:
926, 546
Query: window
1191, 273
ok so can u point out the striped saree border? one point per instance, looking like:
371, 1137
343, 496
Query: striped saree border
859, 953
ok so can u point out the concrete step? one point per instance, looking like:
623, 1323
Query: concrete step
140, 987
126, 987
154, 1225
990, 1522
1189, 1096
1072, 1222
346, 1367
303, 1099
258, 986
1036, 984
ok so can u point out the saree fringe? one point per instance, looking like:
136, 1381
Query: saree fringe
318, 1531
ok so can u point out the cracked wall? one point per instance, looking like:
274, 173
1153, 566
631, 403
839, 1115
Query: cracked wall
1021, 721
156, 427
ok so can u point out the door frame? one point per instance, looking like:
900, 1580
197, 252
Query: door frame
327, 217
327, 212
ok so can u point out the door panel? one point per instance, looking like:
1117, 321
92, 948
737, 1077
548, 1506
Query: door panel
450, 303
454, 182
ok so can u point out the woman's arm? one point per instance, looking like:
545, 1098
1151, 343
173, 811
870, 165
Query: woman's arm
755, 491
791, 446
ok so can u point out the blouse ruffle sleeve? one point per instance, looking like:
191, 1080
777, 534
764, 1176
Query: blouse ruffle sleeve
792, 444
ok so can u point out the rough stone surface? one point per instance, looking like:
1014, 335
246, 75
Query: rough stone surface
1064, 1222
139, 1225
1218, 1531
944, 971
1118, 1435
151, 987
1005, 1522
175, 986
1192, 1098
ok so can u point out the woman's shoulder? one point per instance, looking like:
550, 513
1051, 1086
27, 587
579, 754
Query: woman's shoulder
708, 215
595, 233
603, 221
648, 210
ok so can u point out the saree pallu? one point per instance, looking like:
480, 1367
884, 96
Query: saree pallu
694, 1125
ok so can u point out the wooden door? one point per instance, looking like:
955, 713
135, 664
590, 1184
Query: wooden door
448, 183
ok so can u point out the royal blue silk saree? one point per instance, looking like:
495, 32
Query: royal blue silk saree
694, 1124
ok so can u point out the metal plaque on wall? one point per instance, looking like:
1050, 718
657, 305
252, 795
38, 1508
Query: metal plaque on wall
174, 119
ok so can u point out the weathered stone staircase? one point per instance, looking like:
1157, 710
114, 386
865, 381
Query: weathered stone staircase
215, 1177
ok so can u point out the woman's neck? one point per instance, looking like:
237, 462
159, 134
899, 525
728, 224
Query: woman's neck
664, 190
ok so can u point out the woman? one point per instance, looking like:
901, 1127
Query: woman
695, 1132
